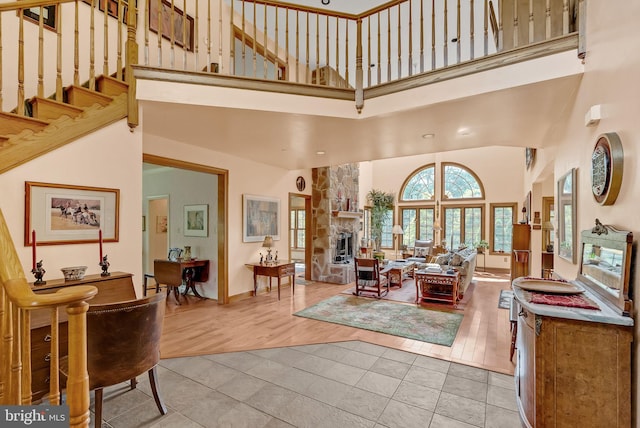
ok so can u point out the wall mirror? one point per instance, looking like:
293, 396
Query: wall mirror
567, 218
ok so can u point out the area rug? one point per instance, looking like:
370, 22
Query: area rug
504, 302
397, 319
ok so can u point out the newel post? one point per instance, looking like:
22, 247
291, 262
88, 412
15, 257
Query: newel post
359, 72
131, 52
78, 379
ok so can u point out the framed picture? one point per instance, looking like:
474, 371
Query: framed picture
178, 23
260, 217
161, 224
196, 220
69, 214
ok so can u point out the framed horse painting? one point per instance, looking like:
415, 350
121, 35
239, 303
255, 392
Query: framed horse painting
70, 214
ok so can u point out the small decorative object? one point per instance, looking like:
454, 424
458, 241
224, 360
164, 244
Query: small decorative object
276, 258
104, 264
450, 271
38, 271
606, 168
261, 258
482, 246
187, 253
268, 244
300, 183
74, 273
524, 215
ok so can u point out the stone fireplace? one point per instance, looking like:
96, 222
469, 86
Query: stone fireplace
336, 223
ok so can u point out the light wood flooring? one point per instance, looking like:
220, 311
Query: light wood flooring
200, 327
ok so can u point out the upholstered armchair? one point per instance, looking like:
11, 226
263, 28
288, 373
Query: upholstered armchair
421, 251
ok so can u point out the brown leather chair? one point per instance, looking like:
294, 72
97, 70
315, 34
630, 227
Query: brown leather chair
169, 273
369, 277
123, 341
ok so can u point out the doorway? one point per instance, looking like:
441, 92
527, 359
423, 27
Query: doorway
156, 230
300, 234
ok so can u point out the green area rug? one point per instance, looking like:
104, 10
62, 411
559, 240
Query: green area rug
398, 319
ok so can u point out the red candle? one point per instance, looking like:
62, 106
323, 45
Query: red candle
100, 240
33, 249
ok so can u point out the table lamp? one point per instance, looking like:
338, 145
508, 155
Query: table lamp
268, 244
397, 230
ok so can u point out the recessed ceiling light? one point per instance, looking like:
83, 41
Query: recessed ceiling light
464, 131
428, 136
320, 152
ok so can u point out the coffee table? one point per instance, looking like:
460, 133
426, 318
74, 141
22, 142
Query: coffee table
437, 286
398, 271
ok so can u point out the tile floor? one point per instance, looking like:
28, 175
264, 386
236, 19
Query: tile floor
344, 384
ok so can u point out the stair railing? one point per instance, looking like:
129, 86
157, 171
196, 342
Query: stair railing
16, 301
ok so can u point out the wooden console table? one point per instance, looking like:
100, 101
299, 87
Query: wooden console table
280, 269
437, 286
116, 287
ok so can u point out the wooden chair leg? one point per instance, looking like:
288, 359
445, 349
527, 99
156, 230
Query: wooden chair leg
156, 394
134, 383
98, 407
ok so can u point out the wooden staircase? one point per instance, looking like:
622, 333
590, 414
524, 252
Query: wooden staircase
54, 123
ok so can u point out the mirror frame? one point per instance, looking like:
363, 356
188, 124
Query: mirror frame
564, 200
610, 237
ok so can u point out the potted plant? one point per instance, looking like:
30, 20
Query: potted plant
380, 202
482, 246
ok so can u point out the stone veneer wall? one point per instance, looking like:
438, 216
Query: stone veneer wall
334, 188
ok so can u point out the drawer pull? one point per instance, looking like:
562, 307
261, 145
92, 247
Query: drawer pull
47, 338
47, 357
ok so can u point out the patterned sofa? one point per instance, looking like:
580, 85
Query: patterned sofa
464, 260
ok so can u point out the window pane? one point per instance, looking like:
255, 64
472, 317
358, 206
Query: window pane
421, 186
292, 219
301, 219
452, 226
426, 224
460, 183
409, 226
472, 226
300, 243
387, 227
502, 228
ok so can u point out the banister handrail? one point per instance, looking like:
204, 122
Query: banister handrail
21, 294
28, 4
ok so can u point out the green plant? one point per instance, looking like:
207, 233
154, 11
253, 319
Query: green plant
381, 202
482, 245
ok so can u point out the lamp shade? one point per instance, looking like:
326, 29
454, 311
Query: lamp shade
397, 230
268, 241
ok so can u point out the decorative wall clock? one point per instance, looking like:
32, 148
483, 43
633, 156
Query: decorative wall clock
606, 168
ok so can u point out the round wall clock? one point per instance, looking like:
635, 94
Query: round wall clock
300, 183
606, 168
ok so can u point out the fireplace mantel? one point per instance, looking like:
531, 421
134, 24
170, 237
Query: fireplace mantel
347, 214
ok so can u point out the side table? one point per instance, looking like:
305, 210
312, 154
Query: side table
280, 269
437, 286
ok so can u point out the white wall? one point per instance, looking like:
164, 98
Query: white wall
499, 168
111, 158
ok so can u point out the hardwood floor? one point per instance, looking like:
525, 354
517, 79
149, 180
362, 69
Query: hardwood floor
201, 327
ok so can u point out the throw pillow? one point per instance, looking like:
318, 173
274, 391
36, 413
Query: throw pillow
457, 259
421, 252
443, 259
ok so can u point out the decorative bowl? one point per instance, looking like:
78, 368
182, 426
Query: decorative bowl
73, 273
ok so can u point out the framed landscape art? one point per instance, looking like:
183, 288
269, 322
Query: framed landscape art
260, 217
196, 220
70, 214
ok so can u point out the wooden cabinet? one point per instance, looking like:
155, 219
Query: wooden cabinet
573, 373
520, 250
114, 288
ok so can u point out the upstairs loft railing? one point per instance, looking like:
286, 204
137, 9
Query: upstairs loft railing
55, 43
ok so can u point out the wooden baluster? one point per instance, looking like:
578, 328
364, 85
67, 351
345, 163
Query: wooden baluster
76, 48
78, 379
119, 19
346, 52
399, 45
147, 7
500, 27
24, 336
41, 53
297, 47
379, 71
20, 106
565, 17
264, 48
5, 335
185, 42
369, 62
131, 59
486, 27
172, 35
196, 32
220, 58
458, 34
515, 24
59, 54
277, 45
389, 45
547, 20
531, 25
410, 38
92, 50
359, 86
286, 25
159, 27
433, 35
421, 36
327, 44
337, 46
1, 109
317, 48
54, 376
255, 37
306, 69
446, 34
232, 60
233, 39
243, 40
582, 29
16, 363
472, 32
105, 16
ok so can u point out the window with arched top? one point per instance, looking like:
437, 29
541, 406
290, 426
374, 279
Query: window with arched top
420, 186
459, 182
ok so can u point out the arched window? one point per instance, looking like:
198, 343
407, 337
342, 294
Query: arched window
420, 186
460, 183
